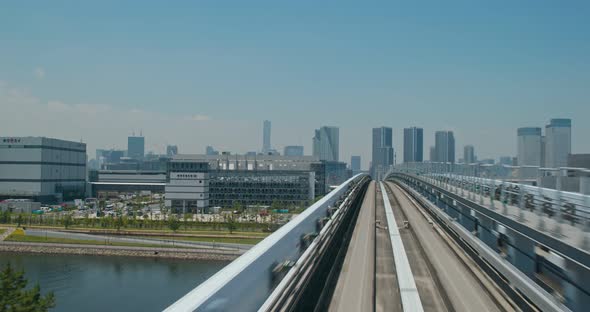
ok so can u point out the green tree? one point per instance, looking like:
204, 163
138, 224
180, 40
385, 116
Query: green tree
237, 206
87, 220
164, 210
186, 217
5, 217
231, 223
19, 220
15, 297
68, 221
119, 222
275, 206
173, 224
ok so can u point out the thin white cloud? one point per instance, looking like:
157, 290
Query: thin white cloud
40, 72
199, 117
92, 109
57, 106
106, 126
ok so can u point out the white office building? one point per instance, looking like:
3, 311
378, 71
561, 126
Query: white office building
42, 169
529, 146
187, 188
558, 142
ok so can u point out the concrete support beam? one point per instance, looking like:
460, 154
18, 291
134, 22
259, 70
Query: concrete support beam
585, 185
576, 298
451, 211
465, 218
486, 231
521, 253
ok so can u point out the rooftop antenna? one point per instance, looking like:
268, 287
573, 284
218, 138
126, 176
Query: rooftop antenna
140, 132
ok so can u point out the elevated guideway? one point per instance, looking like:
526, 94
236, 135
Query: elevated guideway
446, 279
533, 267
399, 260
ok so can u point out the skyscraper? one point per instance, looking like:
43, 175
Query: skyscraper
326, 143
382, 157
505, 160
558, 142
444, 146
293, 150
355, 164
413, 144
266, 137
136, 147
211, 151
171, 150
469, 154
529, 146
432, 154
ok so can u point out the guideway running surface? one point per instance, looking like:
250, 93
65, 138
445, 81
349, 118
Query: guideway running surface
387, 296
433, 296
354, 290
408, 290
463, 290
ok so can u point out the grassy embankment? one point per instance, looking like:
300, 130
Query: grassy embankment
229, 240
163, 232
19, 236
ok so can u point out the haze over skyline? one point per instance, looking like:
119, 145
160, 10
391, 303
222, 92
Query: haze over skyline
209, 73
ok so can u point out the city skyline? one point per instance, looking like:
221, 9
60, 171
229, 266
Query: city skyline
205, 92
297, 155
459, 149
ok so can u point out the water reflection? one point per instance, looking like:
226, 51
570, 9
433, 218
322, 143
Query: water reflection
98, 283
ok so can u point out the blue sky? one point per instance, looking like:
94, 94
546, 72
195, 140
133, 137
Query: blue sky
197, 73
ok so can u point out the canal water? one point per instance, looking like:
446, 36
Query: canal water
99, 283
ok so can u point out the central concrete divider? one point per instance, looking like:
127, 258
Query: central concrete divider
407, 286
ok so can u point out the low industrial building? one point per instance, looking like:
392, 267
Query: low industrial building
19, 205
109, 183
194, 183
42, 169
243, 179
187, 186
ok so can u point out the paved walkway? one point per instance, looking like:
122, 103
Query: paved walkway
6, 233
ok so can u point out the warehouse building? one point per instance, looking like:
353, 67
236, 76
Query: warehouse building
42, 169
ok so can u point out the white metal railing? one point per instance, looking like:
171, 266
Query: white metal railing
558, 214
246, 283
480, 181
